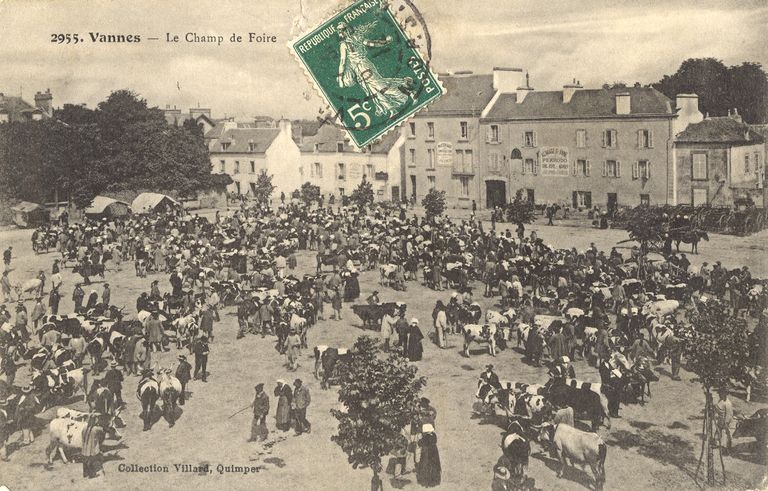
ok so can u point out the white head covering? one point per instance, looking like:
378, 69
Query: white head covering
427, 428
414, 320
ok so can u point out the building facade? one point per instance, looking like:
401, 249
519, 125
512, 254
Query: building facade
14, 109
719, 161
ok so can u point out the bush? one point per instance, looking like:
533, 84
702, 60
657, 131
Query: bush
434, 203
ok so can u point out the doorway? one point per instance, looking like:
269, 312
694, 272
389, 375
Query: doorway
413, 187
613, 203
495, 194
531, 196
396, 194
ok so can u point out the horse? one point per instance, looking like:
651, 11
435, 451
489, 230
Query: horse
148, 392
692, 237
170, 390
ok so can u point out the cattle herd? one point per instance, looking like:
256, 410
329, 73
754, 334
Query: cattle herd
621, 314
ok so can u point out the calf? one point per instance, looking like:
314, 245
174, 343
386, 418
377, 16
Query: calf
580, 447
756, 426
326, 359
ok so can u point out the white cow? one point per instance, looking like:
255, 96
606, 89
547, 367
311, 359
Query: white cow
660, 308
580, 447
67, 432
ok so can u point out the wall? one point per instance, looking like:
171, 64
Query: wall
448, 135
355, 163
245, 176
283, 161
555, 189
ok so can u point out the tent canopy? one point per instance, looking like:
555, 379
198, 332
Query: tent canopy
103, 204
26, 207
146, 202
26, 214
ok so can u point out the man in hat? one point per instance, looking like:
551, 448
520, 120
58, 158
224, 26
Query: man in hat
25, 414
723, 419
373, 298
5, 283
93, 436
201, 350
260, 405
301, 400
206, 321
7, 256
113, 380
490, 377
38, 311
292, 347
183, 373
77, 297
53, 300
106, 295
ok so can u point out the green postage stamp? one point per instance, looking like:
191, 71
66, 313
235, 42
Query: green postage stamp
367, 69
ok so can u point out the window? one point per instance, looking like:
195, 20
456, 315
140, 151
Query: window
464, 186
341, 191
581, 138
339, 147
529, 139
582, 199
700, 196
222, 166
317, 147
316, 170
253, 167
369, 171
757, 162
645, 200
413, 156
699, 172
224, 146
610, 139
641, 170
644, 139
611, 168
431, 158
430, 130
582, 167
746, 164
494, 136
462, 164
237, 186
412, 127
464, 130
251, 147
341, 171
237, 167
529, 166
494, 162
431, 182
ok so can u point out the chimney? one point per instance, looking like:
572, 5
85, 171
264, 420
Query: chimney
623, 103
285, 127
507, 80
569, 90
735, 115
687, 111
523, 91
44, 102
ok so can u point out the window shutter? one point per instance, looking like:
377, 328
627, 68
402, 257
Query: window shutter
647, 169
535, 140
536, 167
523, 164
605, 168
499, 133
650, 138
635, 170
618, 168
588, 199
574, 170
488, 134
589, 168
575, 199
604, 134
639, 138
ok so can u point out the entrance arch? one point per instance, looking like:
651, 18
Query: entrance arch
495, 193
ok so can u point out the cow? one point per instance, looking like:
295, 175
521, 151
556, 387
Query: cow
371, 315
326, 359
490, 399
580, 447
756, 426
170, 390
31, 286
74, 414
479, 333
68, 433
148, 392
517, 448
584, 397
534, 407
660, 308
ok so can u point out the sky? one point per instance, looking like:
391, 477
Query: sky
556, 41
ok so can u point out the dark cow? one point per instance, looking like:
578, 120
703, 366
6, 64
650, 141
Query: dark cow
756, 426
585, 398
326, 359
371, 315
516, 448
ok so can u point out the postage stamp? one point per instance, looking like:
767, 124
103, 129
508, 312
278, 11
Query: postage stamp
368, 70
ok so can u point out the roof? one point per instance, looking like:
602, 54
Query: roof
148, 201
26, 207
586, 103
328, 136
468, 94
719, 130
239, 140
100, 203
17, 108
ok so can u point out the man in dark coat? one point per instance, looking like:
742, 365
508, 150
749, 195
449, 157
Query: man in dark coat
26, 409
201, 358
93, 436
301, 400
206, 322
53, 301
113, 380
490, 377
260, 405
415, 348
183, 373
401, 326
77, 296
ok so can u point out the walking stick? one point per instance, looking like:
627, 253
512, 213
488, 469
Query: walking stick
240, 411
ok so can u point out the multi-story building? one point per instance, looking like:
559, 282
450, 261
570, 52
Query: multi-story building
201, 116
581, 147
328, 161
719, 161
14, 109
441, 142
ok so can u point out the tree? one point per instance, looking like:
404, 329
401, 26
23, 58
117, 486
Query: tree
748, 90
362, 195
380, 397
310, 193
647, 224
434, 203
716, 347
264, 187
193, 127
520, 210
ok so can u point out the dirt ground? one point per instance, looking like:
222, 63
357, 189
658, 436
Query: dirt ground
655, 446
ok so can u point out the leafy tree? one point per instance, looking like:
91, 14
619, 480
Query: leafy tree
520, 210
647, 224
264, 187
75, 114
191, 126
748, 91
310, 193
362, 195
434, 203
716, 347
380, 397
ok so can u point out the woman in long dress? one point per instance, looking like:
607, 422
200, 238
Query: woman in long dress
428, 470
415, 349
283, 415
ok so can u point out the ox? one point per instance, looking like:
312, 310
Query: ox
480, 333
326, 359
585, 398
68, 433
170, 390
580, 447
756, 426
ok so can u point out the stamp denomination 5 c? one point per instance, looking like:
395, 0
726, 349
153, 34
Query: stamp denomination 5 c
369, 72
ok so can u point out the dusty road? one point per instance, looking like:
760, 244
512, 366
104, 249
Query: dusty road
655, 446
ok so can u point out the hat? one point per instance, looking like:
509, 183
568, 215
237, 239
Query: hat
489, 367
375, 292
259, 387
501, 472
182, 358
113, 363
427, 428
424, 400
414, 321
281, 381
565, 359
3, 402
203, 338
297, 381
27, 389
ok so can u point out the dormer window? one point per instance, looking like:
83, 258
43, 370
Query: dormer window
251, 147
317, 147
339, 147
224, 146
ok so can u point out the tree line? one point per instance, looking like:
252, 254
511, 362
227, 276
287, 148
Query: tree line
80, 153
